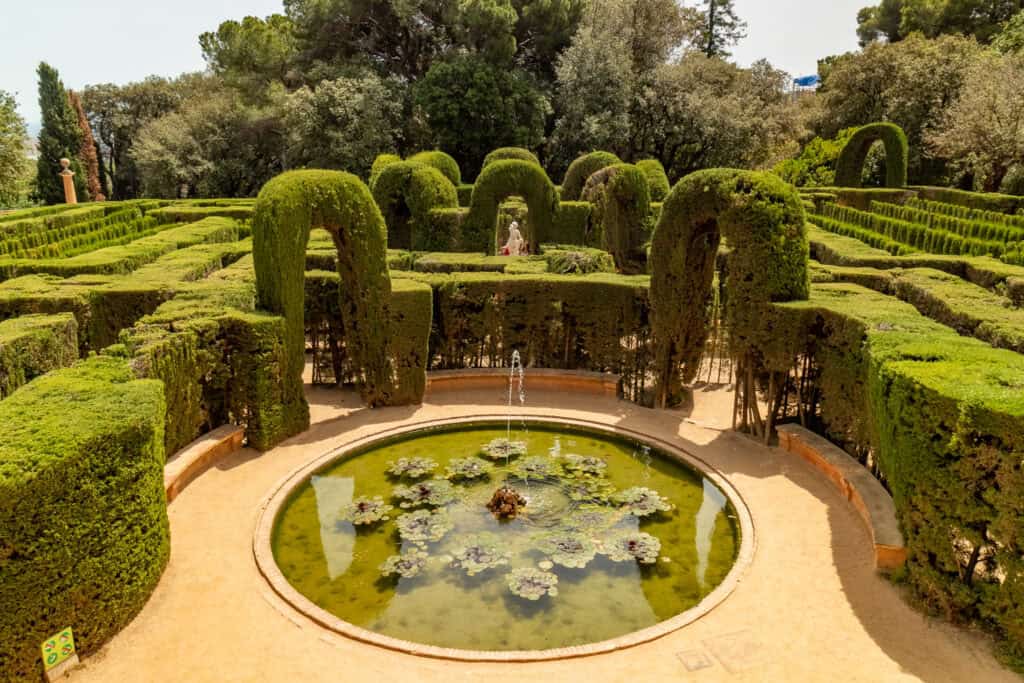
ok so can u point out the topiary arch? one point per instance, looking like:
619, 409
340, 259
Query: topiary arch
763, 220
657, 180
406, 192
379, 164
622, 203
503, 153
499, 181
287, 208
850, 166
582, 168
442, 162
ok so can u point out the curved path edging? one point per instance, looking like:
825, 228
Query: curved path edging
194, 459
272, 505
867, 495
544, 379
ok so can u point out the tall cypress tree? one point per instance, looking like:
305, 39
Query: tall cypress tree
722, 28
87, 155
59, 137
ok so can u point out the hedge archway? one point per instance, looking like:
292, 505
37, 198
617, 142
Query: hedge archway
622, 203
287, 208
503, 153
657, 179
763, 220
406, 192
850, 166
582, 168
499, 181
444, 163
379, 164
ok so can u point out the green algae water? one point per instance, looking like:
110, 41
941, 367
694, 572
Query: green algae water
613, 538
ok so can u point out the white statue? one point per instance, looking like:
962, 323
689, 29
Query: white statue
516, 245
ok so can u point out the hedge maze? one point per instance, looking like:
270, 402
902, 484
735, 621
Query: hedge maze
889, 320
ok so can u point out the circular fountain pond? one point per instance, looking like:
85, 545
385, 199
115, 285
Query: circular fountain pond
458, 537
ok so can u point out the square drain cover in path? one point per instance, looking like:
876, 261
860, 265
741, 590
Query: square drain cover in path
695, 660
738, 651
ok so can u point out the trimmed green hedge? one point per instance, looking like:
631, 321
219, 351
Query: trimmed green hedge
176, 213
35, 212
503, 153
444, 262
125, 258
442, 162
763, 220
978, 229
850, 165
863, 197
498, 181
622, 204
983, 271
572, 225
564, 259
943, 417
966, 213
219, 359
582, 168
445, 227
657, 179
41, 222
465, 193
980, 201
379, 164
33, 345
411, 310
78, 237
104, 305
896, 235
84, 535
406, 192
596, 322
967, 308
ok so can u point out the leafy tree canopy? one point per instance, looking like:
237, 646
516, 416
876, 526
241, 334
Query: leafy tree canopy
13, 160
1011, 38
473, 107
894, 20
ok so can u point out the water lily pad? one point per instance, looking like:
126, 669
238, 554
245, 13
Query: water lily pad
433, 492
407, 565
585, 464
588, 489
479, 553
567, 548
364, 510
423, 525
502, 449
468, 468
641, 501
638, 546
537, 467
411, 468
532, 584
592, 519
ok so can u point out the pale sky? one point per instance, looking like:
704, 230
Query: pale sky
99, 41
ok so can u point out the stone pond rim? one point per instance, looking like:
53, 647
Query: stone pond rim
282, 492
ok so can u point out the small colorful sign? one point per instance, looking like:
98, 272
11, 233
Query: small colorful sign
58, 649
